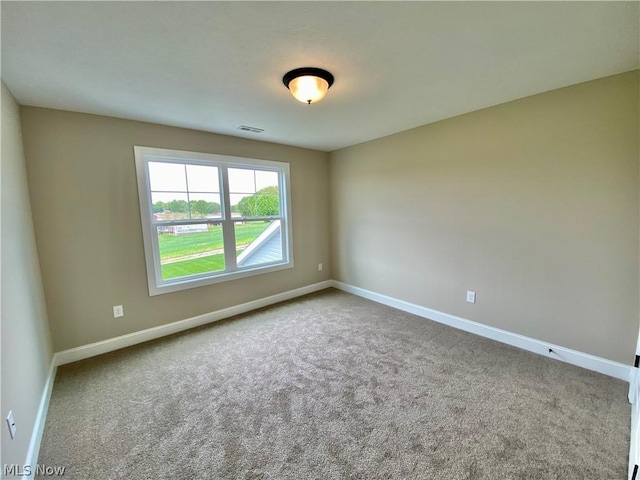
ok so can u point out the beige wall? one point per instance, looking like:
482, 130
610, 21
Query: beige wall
533, 204
85, 207
26, 341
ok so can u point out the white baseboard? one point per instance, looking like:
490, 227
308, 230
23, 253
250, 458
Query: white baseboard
634, 440
584, 360
98, 348
41, 417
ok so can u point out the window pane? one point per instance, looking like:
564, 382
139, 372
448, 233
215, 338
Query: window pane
235, 199
167, 177
258, 242
266, 179
267, 202
243, 205
203, 178
190, 249
170, 206
254, 193
256, 205
246, 180
205, 205
242, 180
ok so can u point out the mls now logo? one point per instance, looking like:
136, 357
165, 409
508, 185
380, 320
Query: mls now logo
15, 470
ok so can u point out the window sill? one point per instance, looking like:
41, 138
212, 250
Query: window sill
187, 283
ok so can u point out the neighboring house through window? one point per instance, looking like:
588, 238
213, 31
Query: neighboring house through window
208, 218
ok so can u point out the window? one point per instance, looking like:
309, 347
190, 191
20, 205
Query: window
209, 218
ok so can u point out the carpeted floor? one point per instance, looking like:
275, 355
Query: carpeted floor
332, 386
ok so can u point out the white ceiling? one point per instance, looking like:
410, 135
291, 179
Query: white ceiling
214, 66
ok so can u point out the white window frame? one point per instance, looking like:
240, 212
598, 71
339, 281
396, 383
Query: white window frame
157, 286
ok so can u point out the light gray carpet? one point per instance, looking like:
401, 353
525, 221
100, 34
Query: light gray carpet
332, 386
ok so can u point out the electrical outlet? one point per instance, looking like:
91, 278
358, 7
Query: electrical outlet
319, 267
12, 424
118, 311
471, 297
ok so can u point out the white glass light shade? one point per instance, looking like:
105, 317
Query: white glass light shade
308, 89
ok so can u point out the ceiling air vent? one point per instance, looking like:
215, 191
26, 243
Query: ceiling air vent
247, 128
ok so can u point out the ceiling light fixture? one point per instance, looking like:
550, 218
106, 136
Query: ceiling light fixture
308, 84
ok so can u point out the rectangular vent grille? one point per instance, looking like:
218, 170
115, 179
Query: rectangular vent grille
247, 128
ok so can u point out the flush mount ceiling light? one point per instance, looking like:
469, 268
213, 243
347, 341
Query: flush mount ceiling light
308, 84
